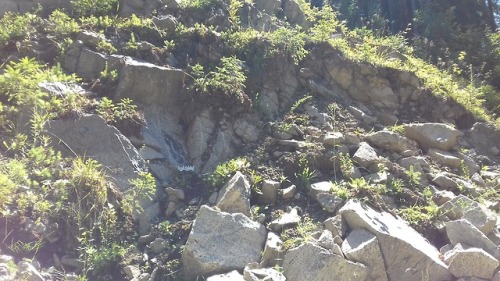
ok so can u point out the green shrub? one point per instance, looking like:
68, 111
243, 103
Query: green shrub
62, 24
85, 8
289, 42
15, 27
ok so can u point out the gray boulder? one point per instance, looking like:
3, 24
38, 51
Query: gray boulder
253, 273
445, 158
287, 220
268, 6
90, 136
320, 187
230, 276
472, 262
294, 13
234, 196
329, 202
481, 218
150, 84
336, 225
26, 271
407, 255
463, 232
314, 263
391, 141
432, 135
221, 242
273, 251
269, 192
365, 156
363, 247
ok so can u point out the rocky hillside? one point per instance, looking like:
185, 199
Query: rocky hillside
230, 140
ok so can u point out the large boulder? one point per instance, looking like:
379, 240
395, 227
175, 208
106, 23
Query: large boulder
363, 247
313, 263
407, 255
150, 84
365, 156
234, 196
90, 136
472, 262
485, 139
432, 135
463, 232
391, 141
220, 242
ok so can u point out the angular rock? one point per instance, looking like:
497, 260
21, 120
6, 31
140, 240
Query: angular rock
234, 196
132, 271
333, 139
294, 14
481, 218
285, 221
463, 232
444, 182
163, 87
326, 240
314, 263
363, 247
445, 158
158, 245
336, 225
230, 276
269, 193
246, 131
365, 156
26, 271
455, 208
253, 273
414, 256
329, 202
273, 251
472, 262
320, 187
221, 242
90, 136
432, 135
288, 192
391, 141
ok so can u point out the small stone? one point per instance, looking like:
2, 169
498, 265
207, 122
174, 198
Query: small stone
287, 220
273, 251
320, 187
175, 194
365, 156
445, 158
289, 192
132, 271
213, 197
336, 225
158, 245
333, 139
329, 202
326, 239
269, 193
145, 239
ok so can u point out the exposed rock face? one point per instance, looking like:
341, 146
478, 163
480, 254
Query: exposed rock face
486, 139
163, 87
90, 136
362, 246
234, 196
221, 242
432, 135
314, 263
414, 256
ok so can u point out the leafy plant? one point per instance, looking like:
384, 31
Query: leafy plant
228, 78
114, 113
294, 237
226, 170
299, 103
85, 8
288, 41
305, 175
340, 190
62, 24
142, 189
413, 176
